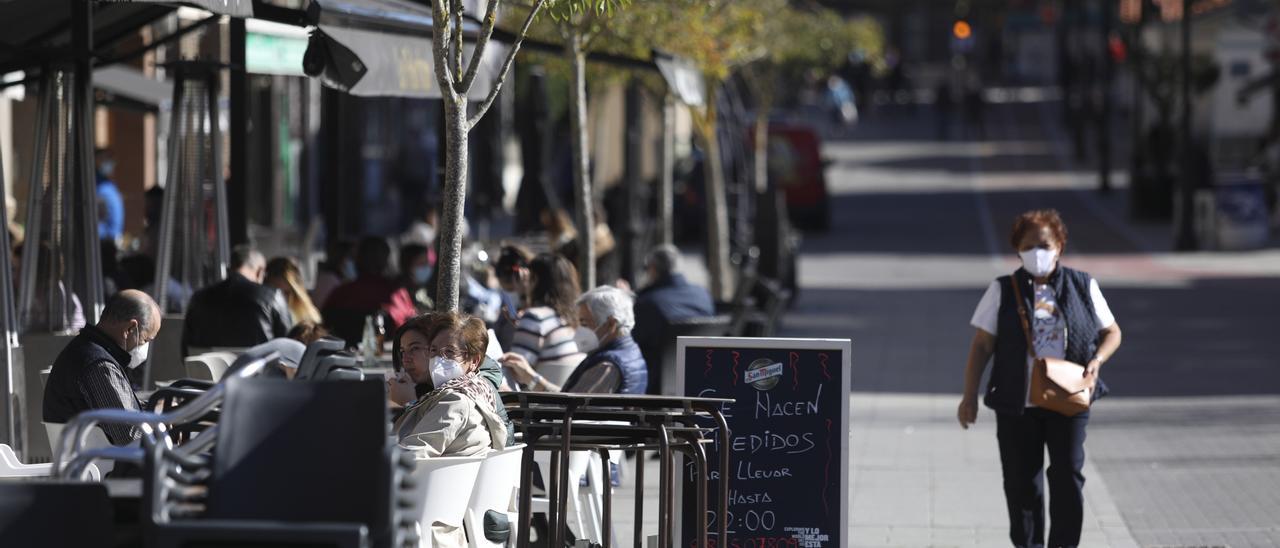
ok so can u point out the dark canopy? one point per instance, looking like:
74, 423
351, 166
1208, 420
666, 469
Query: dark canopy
36, 32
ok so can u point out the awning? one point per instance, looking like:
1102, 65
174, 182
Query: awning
33, 33
273, 48
234, 8
682, 77
131, 83
383, 48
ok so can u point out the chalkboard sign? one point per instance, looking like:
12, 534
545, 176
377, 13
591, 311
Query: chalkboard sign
788, 471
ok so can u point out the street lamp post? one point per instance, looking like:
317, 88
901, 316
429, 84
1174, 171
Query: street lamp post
1185, 239
1104, 117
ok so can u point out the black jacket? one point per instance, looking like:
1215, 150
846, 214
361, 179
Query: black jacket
235, 312
90, 373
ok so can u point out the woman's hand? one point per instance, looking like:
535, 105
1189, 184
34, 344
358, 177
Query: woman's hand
1091, 371
967, 413
400, 389
519, 367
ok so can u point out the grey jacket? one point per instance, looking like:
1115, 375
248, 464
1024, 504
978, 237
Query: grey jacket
450, 424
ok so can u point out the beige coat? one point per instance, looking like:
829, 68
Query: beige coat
450, 424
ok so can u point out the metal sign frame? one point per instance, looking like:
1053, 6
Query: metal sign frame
844, 346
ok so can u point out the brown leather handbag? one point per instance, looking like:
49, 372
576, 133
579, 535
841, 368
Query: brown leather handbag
1057, 385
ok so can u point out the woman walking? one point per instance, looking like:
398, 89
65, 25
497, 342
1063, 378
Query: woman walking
1064, 315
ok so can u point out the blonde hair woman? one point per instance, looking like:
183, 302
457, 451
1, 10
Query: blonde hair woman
284, 274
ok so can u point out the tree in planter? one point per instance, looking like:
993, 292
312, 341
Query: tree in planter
580, 24
801, 40
455, 78
717, 36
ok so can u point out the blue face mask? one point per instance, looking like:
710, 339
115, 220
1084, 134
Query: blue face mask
107, 168
349, 270
422, 273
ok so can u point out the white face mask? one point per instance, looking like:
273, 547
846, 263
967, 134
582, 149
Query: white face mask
1039, 262
444, 370
587, 339
139, 354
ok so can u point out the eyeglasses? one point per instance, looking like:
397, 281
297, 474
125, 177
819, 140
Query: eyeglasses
448, 352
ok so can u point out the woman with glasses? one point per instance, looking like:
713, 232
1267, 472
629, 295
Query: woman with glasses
458, 416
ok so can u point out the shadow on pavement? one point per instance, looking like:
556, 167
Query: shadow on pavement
947, 222
1213, 338
961, 163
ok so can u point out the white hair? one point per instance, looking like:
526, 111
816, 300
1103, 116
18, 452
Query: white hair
606, 302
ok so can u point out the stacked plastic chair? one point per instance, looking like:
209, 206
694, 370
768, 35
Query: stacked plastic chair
295, 462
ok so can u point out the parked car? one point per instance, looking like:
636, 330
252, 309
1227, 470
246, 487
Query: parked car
796, 166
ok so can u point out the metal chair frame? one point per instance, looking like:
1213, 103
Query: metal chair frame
562, 423
69, 449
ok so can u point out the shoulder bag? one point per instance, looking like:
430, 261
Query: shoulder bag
1057, 385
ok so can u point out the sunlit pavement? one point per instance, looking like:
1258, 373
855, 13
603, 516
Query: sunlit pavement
1186, 450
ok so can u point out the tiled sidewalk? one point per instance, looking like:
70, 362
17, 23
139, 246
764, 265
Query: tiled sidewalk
918, 479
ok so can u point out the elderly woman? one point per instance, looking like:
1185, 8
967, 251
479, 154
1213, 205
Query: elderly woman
1064, 315
457, 418
613, 366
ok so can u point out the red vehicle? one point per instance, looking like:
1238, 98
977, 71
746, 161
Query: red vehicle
797, 167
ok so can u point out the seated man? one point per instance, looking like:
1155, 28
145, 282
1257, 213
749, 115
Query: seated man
669, 297
239, 311
457, 417
614, 366
90, 373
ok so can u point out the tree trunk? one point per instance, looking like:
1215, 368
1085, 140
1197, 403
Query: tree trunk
666, 192
717, 208
762, 150
449, 239
582, 195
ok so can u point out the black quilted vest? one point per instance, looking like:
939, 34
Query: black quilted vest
1007, 387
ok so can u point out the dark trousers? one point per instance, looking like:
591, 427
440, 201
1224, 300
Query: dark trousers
1023, 439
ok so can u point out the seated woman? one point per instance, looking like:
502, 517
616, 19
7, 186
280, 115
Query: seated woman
545, 329
614, 365
457, 417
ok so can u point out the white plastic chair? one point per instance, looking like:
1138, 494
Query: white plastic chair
219, 361
97, 438
586, 507
437, 483
199, 368
11, 467
496, 487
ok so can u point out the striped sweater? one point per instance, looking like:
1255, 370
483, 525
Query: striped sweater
544, 339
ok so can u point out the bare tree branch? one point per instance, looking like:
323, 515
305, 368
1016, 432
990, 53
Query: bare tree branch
457, 39
477, 53
439, 42
506, 64
588, 36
